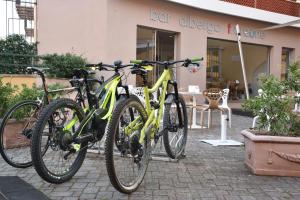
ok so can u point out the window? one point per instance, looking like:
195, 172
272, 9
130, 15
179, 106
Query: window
285, 62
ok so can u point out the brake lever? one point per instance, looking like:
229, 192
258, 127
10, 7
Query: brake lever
197, 64
102, 68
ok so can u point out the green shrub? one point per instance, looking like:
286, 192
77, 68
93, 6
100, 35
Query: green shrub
10, 95
27, 93
6, 91
55, 86
277, 104
15, 50
62, 66
292, 81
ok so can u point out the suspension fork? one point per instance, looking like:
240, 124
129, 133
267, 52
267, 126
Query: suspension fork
174, 84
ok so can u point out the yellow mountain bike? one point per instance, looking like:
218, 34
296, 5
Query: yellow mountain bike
134, 130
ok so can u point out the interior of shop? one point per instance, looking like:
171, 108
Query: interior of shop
224, 66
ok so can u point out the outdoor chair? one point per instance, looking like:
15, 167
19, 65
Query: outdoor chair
213, 96
139, 92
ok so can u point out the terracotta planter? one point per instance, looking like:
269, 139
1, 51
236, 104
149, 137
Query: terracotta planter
272, 155
13, 137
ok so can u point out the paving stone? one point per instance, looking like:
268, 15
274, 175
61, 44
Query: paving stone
70, 198
87, 196
207, 172
61, 194
79, 185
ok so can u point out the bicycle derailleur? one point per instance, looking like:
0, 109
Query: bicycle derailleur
136, 149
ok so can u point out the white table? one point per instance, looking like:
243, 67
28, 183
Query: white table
194, 120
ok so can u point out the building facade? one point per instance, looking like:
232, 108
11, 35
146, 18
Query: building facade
108, 30
18, 17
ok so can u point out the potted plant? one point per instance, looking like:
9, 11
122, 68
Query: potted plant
273, 147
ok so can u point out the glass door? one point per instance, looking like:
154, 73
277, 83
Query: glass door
145, 49
154, 45
165, 44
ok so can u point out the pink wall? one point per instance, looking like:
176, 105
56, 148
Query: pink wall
106, 30
74, 26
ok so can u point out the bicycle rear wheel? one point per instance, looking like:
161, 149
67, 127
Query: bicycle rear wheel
174, 136
127, 159
16, 132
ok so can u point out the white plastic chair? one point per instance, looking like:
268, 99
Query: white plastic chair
224, 105
121, 90
297, 107
260, 93
139, 92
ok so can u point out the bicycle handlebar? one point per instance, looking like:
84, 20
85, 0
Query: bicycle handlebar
101, 66
167, 63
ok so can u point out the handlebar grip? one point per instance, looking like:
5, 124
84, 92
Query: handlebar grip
136, 62
91, 65
196, 59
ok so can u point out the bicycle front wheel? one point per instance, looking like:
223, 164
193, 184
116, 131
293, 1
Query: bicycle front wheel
127, 159
16, 132
175, 135
55, 156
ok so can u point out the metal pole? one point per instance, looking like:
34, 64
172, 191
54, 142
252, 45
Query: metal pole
223, 127
238, 33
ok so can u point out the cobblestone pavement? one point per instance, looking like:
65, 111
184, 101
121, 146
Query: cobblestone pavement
206, 173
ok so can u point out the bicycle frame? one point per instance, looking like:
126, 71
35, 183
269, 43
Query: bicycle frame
152, 120
109, 88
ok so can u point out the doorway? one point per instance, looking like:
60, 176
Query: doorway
157, 45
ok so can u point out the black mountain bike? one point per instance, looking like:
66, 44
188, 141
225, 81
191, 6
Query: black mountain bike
73, 129
18, 122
